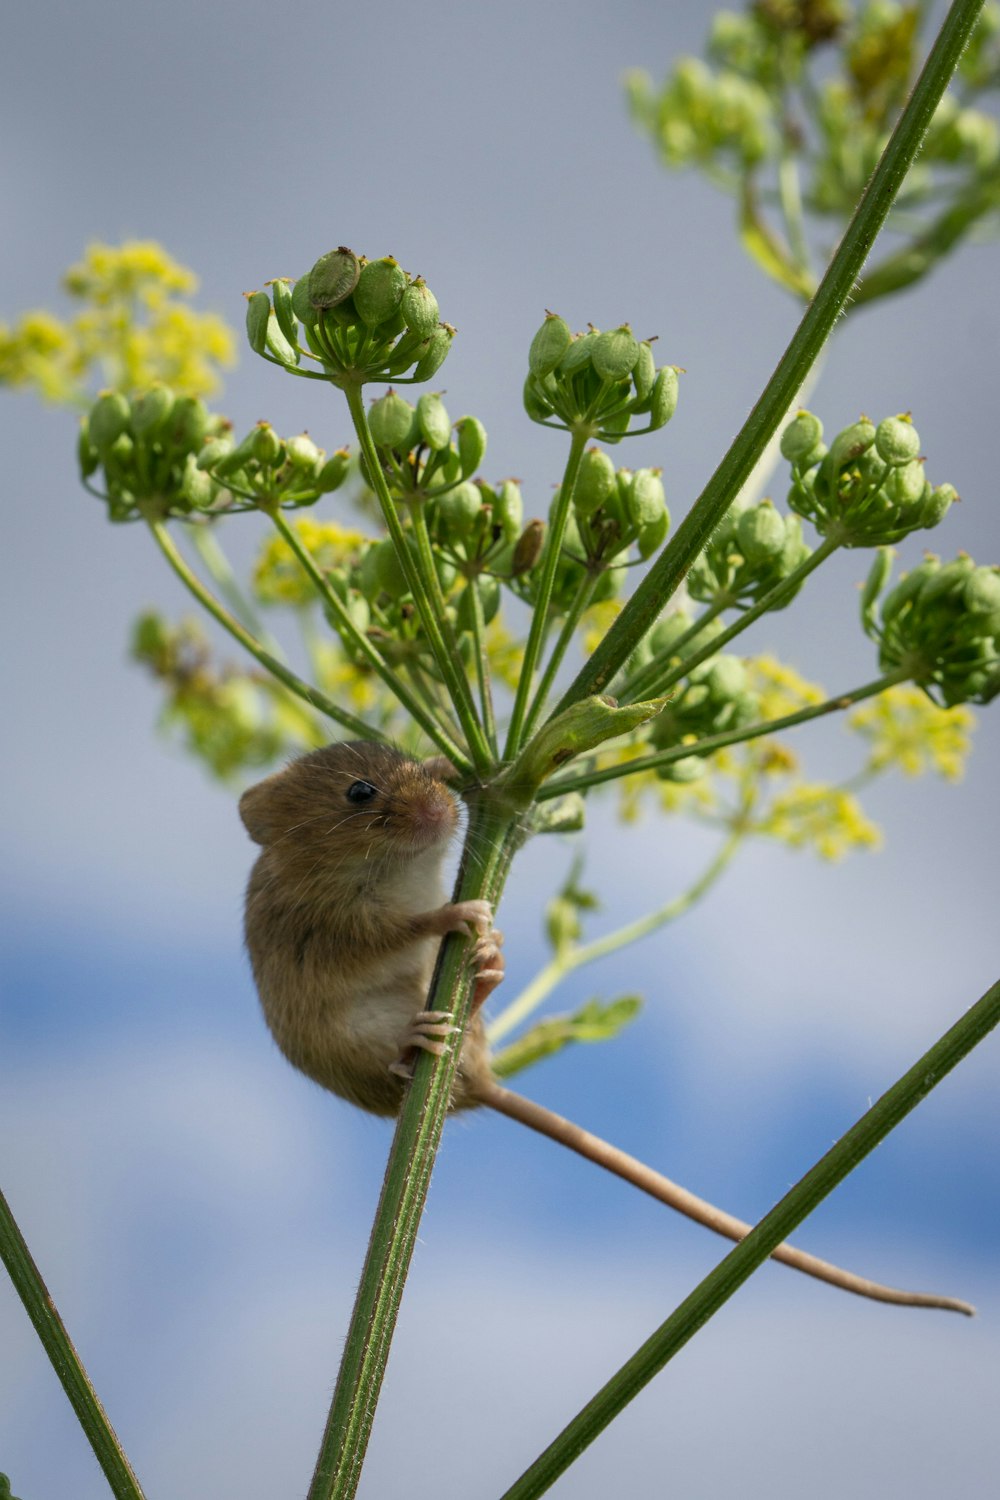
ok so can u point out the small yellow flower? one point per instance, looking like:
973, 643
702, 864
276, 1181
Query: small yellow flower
597, 621
781, 689
278, 575
906, 730
822, 817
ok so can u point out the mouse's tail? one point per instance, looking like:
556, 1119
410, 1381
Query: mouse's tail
546, 1122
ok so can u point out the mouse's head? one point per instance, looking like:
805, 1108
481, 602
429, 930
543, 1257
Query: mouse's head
357, 799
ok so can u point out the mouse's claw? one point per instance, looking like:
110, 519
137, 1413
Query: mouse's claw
428, 1032
473, 918
489, 966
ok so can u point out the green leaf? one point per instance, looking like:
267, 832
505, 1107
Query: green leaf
581, 727
597, 1021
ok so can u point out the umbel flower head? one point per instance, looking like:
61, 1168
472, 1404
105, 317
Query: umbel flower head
360, 320
596, 382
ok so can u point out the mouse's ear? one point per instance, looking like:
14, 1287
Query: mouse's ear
255, 809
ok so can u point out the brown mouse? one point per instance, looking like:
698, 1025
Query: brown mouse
345, 910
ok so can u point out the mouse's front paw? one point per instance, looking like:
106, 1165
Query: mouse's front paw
488, 963
470, 918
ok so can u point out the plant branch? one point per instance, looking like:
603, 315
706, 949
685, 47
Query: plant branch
739, 1264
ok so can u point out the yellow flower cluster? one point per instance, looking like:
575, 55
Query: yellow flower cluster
821, 817
907, 731
133, 330
278, 576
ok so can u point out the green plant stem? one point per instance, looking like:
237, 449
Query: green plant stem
751, 1252
449, 666
421, 711
492, 836
815, 327
656, 684
556, 970
301, 689
64, 1359
207, 547
791, 209
540, 613
482, 664
714, 742
576, 610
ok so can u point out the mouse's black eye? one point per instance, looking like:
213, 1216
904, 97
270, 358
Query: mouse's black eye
361, 791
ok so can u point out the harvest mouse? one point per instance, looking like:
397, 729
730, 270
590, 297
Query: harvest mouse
345, 910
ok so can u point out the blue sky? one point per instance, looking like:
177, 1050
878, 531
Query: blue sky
201, 1211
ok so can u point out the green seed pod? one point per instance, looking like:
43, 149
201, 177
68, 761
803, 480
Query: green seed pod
906, 484
489, 600
645, 500
379, 291
595, 482
109, 418
851, 443
508, 509
281, 293
909, 586
652, 534
214, 450
528, 549
578, 353
388, 570
897, 440
615, 354
535, 403
801, 438
151, 410
760, 533
279, 346
197, 487
663, 397
266, 446
981, 595
190, 422
391, 420
419, 308
303, 453
726, 677
549, 345
471, 444
301, 305
937, 505
258, 312
87, 455
333, 277
878, 577
437, 353
644, 374
433, 421
333, 473
458, 512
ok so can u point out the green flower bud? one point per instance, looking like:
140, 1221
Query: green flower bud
760, 533
258, 312
333, 473
434, 422
391, 420
801, 437
528, 549
151, 410
379, 291
614, 355
645, 500
284, 312
109, 418
663, 397
333, 277
266, 446
595, 482
419, 308
471, 444
549, 345
508, 509
437, 352
303, 453
897, 440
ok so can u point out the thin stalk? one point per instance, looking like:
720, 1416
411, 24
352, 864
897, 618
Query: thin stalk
539, 618
418, 516
217, 563
643, 682
739, 1264
492, 836
771, 600
64, 1359
556, 970
813, 331
450, 668
482, 664
714, 742
420, 711
301, 689
791, 209
573, 615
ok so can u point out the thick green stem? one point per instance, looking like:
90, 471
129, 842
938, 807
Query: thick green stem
817, 323
301, 689
421, 712
540, 615
554, 972
715, 742
492, 836
450, 668
64, 1359
663, 682
739, 1264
